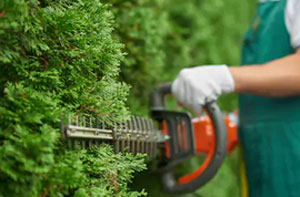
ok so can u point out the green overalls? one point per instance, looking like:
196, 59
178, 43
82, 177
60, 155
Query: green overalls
270, 127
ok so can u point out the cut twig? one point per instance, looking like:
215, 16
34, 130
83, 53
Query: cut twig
2, 13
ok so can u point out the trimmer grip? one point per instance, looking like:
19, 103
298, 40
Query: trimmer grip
208, 169
205, 172
158, 94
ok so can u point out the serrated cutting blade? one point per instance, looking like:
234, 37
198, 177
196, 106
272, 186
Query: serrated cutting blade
135, 135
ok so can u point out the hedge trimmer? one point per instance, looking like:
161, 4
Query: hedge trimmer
176, 139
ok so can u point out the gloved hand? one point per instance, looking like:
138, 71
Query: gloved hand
197, 86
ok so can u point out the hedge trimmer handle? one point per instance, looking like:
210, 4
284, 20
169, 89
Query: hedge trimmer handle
205, 172
157, 97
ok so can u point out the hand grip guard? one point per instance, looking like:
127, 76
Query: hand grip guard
208, 169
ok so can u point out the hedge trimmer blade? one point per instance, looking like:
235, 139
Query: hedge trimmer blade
135, 135
179, 138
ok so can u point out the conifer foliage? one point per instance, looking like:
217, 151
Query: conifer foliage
142, 26
58, 57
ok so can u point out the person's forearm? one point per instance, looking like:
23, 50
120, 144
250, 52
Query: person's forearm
279, 78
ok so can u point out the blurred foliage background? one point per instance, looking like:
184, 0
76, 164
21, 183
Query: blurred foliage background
163, 36
74, 57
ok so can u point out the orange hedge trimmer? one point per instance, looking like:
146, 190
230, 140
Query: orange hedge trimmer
175, 140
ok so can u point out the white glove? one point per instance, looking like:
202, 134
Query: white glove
194, 87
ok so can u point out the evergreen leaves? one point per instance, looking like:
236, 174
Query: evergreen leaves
58, 57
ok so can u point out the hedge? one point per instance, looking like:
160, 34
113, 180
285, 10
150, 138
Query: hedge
58, 57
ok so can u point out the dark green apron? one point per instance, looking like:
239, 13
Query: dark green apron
270, 127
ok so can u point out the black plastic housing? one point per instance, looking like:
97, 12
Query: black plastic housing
172, 118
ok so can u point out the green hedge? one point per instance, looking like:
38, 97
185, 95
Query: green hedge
58, 57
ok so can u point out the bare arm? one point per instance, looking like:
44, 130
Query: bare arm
279, 78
